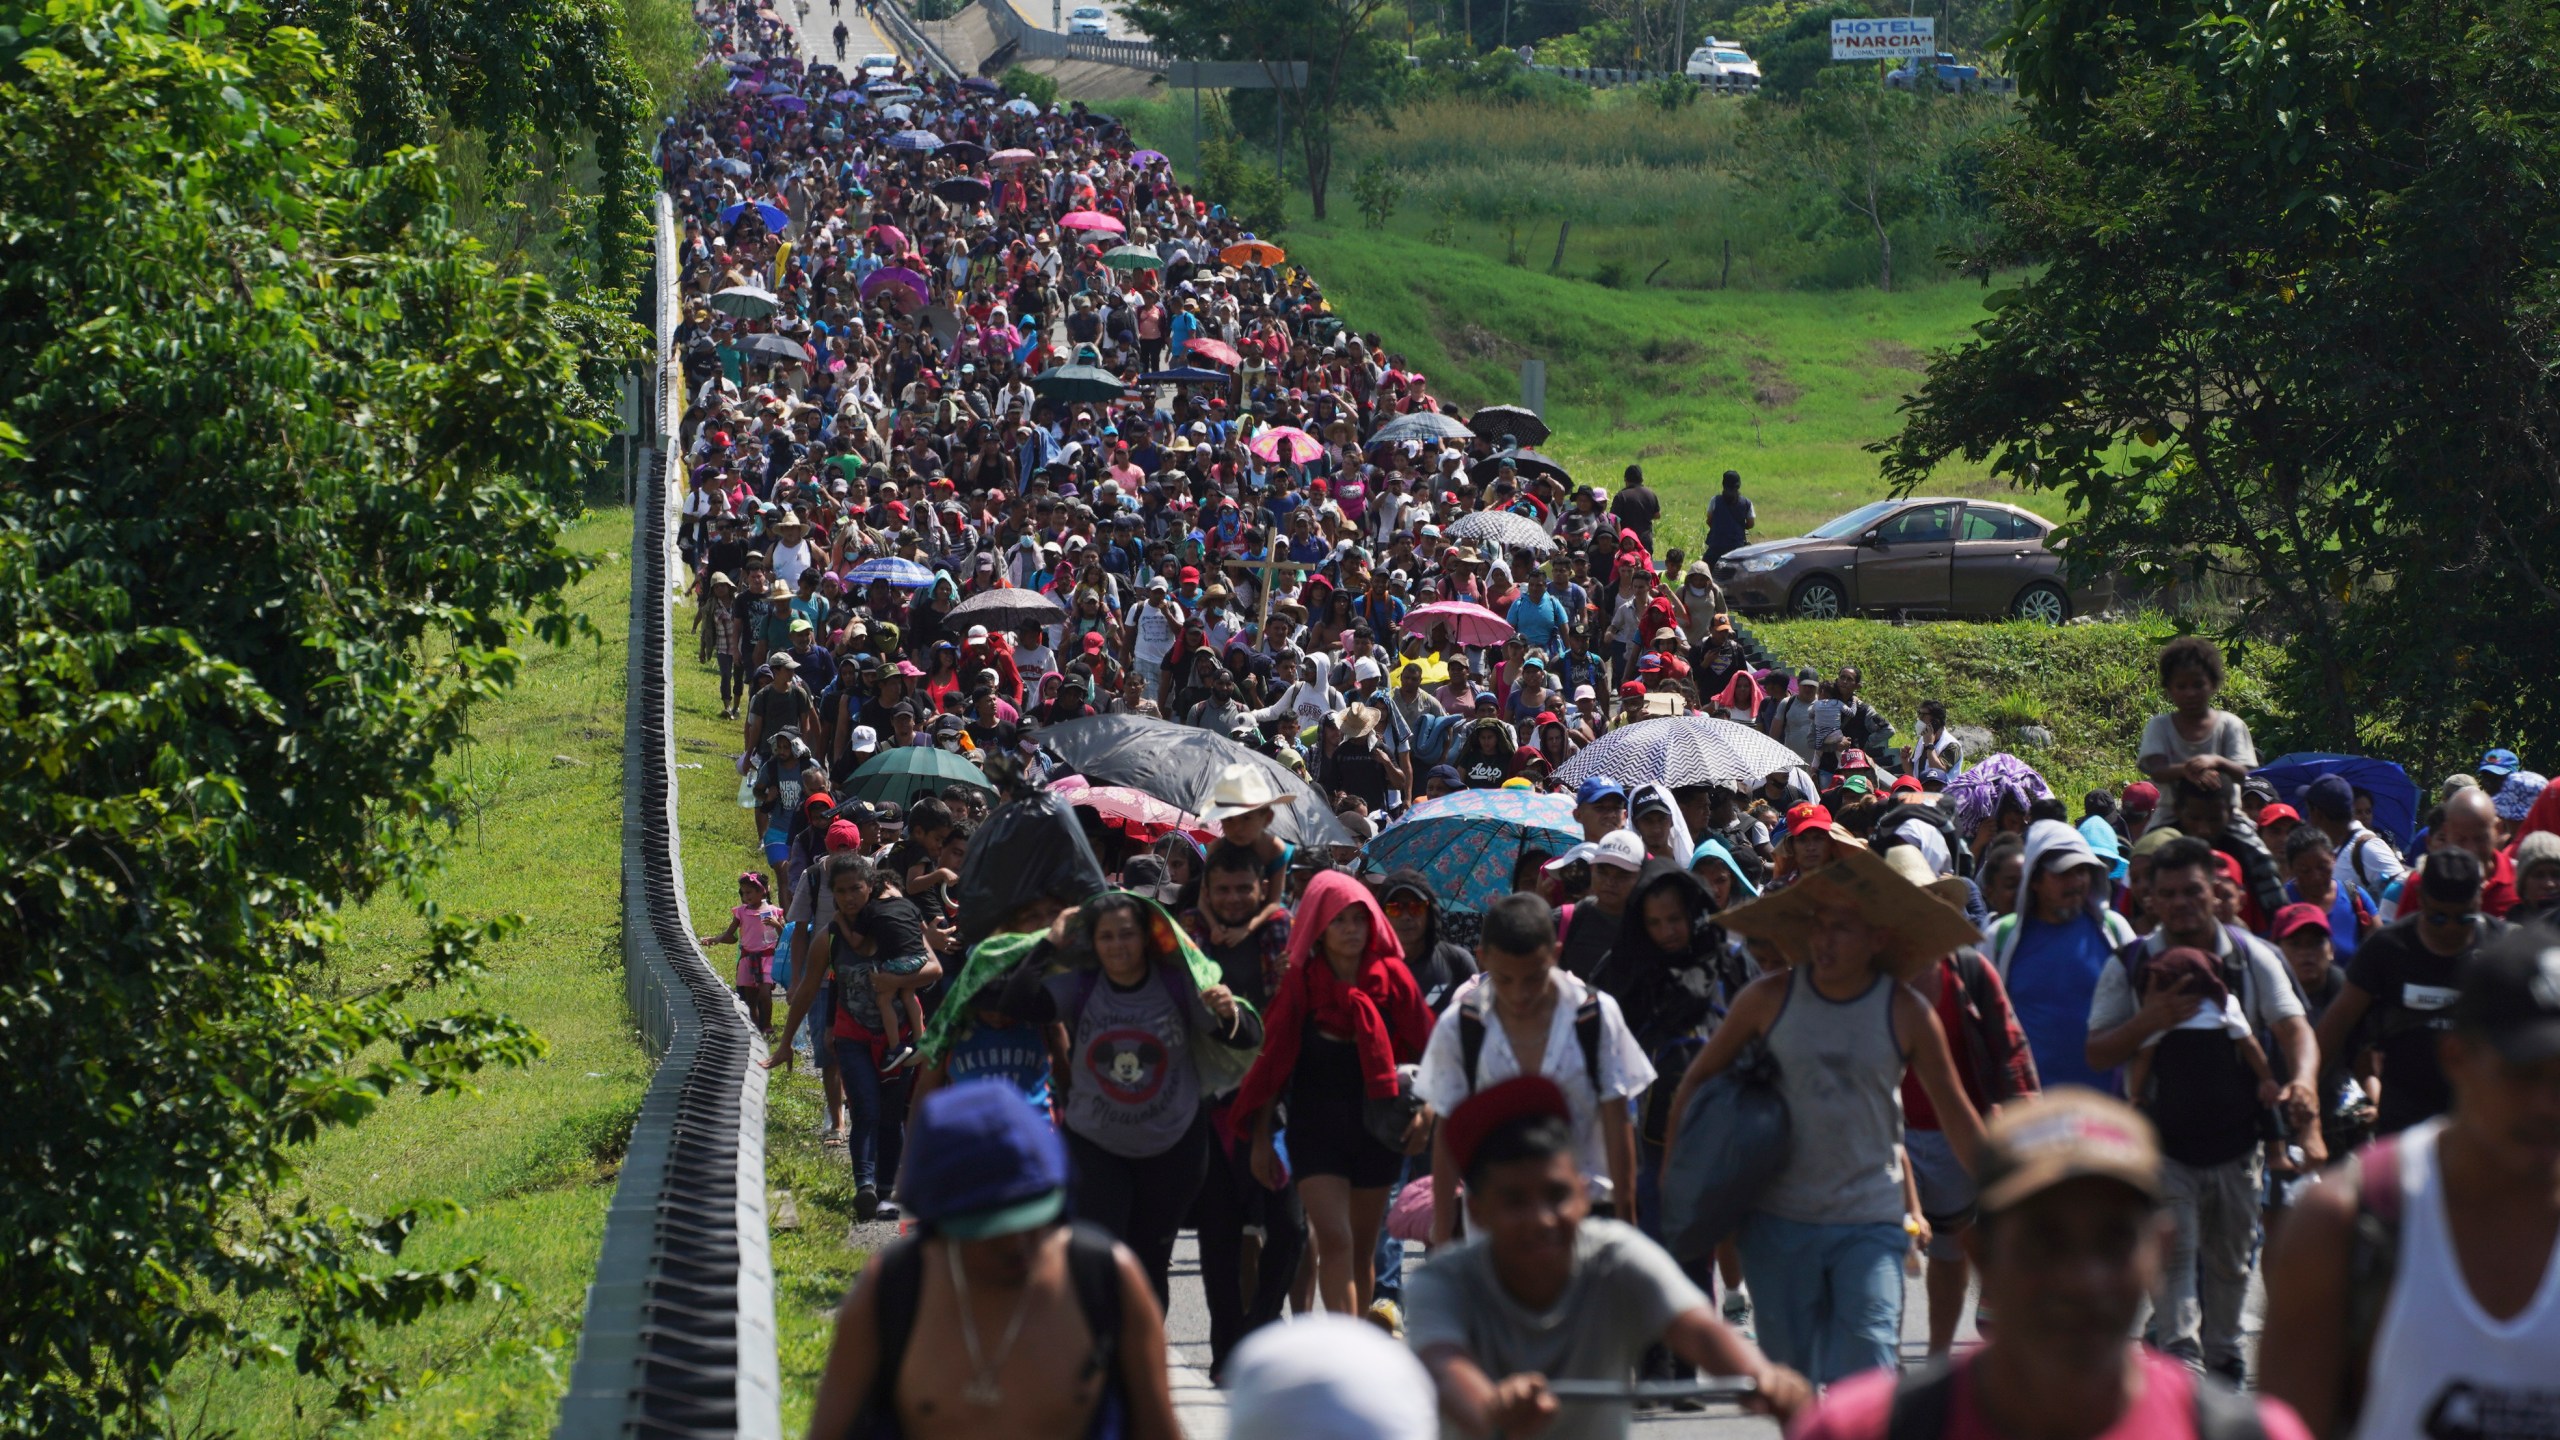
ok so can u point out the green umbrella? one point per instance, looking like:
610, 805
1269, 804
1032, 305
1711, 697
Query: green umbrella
1132, 257
1076, 384
747, 302
898, 775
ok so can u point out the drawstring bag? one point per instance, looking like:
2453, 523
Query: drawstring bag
1733, 1143
747, 791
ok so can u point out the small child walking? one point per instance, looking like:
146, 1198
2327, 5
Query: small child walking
755, 924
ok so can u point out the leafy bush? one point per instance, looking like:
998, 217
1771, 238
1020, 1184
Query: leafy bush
1376, 190
1671, 92
286, 468
1030, 84
1235, 175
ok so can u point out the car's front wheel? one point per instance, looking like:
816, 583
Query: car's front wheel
1819, 599
2043, 603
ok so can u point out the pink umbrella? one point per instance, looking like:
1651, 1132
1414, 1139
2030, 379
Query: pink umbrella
1013, 157
895, 238
1218, 350
1092, 220
1134, 813
1287, 444
1472, 624
905, 288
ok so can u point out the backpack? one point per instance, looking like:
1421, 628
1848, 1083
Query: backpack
1959, 855
1586, 1033
1093, 1269
2373, 1261
1924, 1401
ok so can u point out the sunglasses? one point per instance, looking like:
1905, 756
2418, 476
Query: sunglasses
2464, 920
1407, 907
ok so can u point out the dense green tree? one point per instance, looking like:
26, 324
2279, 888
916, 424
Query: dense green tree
282, 483
1352, 67
2291, 326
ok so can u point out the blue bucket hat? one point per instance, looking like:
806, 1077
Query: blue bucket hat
981, 1164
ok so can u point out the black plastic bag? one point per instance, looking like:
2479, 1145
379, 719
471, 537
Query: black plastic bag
1733, 1144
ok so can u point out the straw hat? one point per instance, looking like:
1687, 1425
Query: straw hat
1359, 722
1921, 928
1243, 788
1911, 865
1461, 555
790, 521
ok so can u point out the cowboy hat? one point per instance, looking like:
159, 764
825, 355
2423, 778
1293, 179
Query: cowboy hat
1461, 555
1359, 722
1911, 865
790, 521
1920, 929
1243, 788
780, 591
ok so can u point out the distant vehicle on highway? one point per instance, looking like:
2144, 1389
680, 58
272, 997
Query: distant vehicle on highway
1944, 74
1921, 556
1088, 20
1723, 65
879, 67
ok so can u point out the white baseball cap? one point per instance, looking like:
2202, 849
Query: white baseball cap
1622, 848
977, 632
1574, 856
1365, 668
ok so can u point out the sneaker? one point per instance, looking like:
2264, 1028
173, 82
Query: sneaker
888, 1212
866, 1203
1387, 1315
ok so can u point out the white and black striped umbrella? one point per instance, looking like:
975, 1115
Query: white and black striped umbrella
1503, 528
1680, 750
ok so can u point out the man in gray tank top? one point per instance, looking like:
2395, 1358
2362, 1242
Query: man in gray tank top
1822, 1250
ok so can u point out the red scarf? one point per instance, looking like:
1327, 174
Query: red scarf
1380, 1008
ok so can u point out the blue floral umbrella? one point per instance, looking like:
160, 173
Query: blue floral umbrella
1466, 845
902, 573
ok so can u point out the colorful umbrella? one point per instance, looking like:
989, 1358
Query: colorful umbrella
1218, 350
1680, 750
1466, 845
1014, 157
1093, 220
1145, 158
889, 235
1978, 789
747, 302
1132, 257
899, 774
1253, 252
1472, 624
734, 168
1134, 813
1286, 445
906, 289
777, 87
774, 220
901, 573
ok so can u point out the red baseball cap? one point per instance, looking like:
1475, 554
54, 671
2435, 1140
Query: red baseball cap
1190, 575
1545, 717
1902, 783
1093, 642
2297, 915
1805, 815
1631, 689
2142, 795
843, 835
1523, 1097
2278, 811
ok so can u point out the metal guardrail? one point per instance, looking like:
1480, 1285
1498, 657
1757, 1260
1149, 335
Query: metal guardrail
679, 1337
1030, 42
1604, 77
904, 33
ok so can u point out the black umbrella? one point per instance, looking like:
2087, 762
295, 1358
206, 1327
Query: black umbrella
1527, 462
781, 347
1501, 527
1007, 609
1421, 425
1079, 384
967, 152
961, 189
1179, 765
1515, 420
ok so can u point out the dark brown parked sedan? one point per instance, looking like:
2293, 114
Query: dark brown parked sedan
1920, 556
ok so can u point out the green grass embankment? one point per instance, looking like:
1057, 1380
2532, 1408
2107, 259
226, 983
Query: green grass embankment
2092, 685
532, 1155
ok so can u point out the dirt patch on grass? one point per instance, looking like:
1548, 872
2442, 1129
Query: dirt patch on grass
1770, 387
1657, 448
1669, 350
1471, 341
1894, 355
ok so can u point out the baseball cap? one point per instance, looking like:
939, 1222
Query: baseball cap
1522, 1097
1598, 788
864, 738
977, 633
2498, 762
1622, 848
800, 625
1856, 785
984, 1164
2062, 1135
2142, 797
2297, 915
1631, 690
2330, 795
1579, 855
2276, 812
843, 835
1364, 668
2511, 996
1805, 815
1448, 773
1906, 784
1092, 642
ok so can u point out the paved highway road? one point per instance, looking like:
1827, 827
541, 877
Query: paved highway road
1040, 13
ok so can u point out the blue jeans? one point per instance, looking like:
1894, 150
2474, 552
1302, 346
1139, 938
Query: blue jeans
1827, 1298
875, 1115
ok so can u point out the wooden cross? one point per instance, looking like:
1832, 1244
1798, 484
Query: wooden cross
1263, 570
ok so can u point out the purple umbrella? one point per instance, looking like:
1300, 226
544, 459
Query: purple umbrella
901, 282
777, 87
742, 83
838, 97
1979, 789
789, 102
1145, 158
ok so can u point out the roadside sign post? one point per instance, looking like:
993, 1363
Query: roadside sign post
1533, 386
1898, 37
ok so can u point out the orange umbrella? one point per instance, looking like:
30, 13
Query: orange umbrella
1218, 350
1253, 252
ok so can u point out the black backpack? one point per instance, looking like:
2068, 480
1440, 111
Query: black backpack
1883, 837
1093, 1268
1586, 1033
1924, 1400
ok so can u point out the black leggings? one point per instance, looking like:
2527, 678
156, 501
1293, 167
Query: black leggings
1141, 1200
1231, 1201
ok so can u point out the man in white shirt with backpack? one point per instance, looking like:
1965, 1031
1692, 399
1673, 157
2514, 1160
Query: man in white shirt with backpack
1524, 1015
